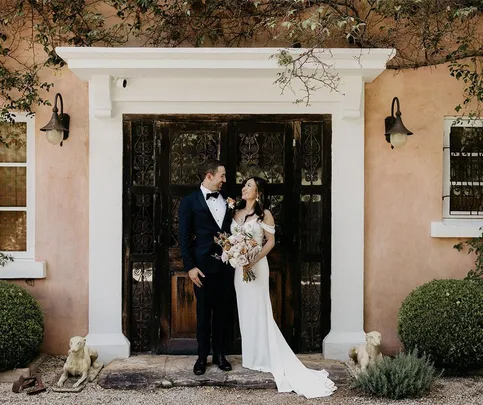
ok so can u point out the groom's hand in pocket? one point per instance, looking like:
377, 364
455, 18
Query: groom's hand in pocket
194, 275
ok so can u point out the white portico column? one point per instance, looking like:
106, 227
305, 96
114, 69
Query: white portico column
347, 274
105, 225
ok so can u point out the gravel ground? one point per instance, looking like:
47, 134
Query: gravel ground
454, 391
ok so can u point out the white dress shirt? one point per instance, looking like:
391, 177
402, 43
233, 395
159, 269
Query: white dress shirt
217, 206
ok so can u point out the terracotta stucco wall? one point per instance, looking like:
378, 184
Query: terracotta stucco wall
62, 209
403, 190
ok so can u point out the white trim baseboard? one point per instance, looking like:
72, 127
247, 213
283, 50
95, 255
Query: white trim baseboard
110, 346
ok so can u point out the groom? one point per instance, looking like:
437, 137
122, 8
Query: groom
202, 214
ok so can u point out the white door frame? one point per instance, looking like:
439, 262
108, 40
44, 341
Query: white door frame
219, 81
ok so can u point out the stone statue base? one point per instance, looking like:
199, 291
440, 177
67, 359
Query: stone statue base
69, 383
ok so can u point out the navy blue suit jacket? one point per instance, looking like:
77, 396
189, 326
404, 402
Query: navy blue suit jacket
197, 229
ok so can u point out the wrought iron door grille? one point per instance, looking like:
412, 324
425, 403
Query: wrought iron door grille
466, 171
314, 234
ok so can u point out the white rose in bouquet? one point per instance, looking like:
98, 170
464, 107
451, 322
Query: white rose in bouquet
242, 260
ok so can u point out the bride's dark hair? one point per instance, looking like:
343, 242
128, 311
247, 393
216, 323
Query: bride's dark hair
262, 203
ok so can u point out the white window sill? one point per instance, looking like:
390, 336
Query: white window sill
456, 228
23, 268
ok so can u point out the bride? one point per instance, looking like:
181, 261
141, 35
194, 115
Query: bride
263, 345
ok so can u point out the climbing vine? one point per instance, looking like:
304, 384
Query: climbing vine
474, 246
424, 33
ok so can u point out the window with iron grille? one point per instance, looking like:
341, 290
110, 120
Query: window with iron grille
463, 169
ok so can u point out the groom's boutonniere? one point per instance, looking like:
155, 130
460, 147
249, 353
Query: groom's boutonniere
230, 202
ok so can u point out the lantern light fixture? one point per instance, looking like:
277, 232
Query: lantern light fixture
396, 133
57, 129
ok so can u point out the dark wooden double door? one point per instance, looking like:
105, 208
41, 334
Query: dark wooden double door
161, 157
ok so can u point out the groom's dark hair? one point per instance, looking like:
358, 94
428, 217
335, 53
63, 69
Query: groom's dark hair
210, 166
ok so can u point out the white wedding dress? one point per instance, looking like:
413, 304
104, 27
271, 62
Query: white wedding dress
263, 346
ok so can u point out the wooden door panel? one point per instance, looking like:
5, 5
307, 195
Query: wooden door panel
183, 304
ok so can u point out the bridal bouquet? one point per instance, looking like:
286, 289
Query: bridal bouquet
239, 250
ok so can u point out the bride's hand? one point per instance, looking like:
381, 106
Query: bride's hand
249, 266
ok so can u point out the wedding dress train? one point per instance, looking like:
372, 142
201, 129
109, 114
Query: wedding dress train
263, 346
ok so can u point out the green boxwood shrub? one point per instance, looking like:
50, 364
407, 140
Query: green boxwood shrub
21, 326
444, 319
404, 376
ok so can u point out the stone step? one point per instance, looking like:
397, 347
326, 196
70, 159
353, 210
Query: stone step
147, 372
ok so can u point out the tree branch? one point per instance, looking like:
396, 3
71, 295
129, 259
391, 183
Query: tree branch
416, 65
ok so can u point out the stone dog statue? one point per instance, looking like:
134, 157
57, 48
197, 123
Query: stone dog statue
367, 353
79, 361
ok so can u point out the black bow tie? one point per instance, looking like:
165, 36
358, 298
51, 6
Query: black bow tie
214, 195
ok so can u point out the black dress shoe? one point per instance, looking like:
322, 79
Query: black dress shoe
200, 366
222, 362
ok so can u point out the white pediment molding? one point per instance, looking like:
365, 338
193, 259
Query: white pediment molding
102, 66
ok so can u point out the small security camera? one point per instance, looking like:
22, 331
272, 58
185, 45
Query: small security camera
121, 83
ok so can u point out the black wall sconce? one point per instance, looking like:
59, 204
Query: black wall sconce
57, 130
396, 133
